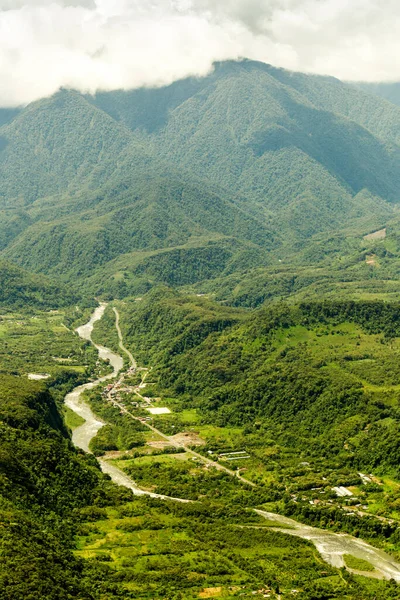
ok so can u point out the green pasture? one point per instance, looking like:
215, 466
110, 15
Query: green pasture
42, 344
72, 420
358, 564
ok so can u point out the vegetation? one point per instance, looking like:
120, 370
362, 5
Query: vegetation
20, 289
357, 563
251, 188
69, 533
72, 420
121, 191
389, 91
153, 549
44, 481
310, 391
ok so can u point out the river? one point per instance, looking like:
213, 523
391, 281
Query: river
82, 435
331, 546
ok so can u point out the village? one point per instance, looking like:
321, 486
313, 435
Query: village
118, 392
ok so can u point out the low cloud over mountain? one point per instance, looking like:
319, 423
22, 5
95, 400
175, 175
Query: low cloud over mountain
98, 44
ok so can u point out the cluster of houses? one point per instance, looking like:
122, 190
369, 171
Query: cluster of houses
114, 391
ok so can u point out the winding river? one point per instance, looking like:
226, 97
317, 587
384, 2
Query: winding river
331, 546
82, 435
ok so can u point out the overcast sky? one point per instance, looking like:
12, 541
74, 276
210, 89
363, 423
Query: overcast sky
109, 44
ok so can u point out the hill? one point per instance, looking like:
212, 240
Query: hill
21, 289
32, 445
316, 377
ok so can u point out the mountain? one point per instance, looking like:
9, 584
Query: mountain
238, 170
249, 185
390, 91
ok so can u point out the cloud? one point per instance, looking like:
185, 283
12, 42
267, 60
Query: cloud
17, 4
108, 44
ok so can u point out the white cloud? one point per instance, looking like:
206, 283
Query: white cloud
108, 44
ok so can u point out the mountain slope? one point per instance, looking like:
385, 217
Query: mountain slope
150, 109
285, 141
54, 145
249, 130
390, 91
147, 215
251, 159
19, 288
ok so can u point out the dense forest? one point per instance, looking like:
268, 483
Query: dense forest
42, 483
21, 289
251, 174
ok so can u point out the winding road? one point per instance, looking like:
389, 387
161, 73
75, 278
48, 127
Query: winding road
121, 339
331, 546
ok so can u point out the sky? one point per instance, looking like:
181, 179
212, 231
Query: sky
95, 45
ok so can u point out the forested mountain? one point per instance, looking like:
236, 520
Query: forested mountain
236, 170
388, 90
19, 288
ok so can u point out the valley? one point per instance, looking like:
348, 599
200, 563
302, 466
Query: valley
200, 341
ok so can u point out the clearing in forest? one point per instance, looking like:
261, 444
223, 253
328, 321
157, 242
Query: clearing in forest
376, 235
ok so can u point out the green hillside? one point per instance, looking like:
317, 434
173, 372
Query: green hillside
37, 553
136, 215
315, 380
21, 289
54, 145
247, 168
250, 124
275, 136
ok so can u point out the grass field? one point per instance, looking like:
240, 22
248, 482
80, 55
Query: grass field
156, 548
358, 564
72, 420
41, 344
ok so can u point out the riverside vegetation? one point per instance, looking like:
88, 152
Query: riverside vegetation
231, 218
310, 391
